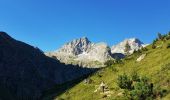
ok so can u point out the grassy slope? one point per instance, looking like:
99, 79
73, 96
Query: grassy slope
150, 67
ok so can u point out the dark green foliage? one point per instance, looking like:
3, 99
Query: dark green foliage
154, 41
138, 88
153, 46
168, 46
135, 77
109, 62
137, 51
142, 91
127, 48
112, 62
118, 61
144, 49
169, 33
160, 36
168, 37
124, 82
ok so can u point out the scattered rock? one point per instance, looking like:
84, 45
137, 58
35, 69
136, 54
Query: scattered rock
88, 81
120, 94
141, 57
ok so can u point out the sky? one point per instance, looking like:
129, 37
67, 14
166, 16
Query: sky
49, 24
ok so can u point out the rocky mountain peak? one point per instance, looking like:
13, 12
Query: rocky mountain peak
76, 46
134, 44
83, 52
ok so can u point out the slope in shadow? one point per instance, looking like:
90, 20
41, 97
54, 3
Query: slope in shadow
59, 89
25, 72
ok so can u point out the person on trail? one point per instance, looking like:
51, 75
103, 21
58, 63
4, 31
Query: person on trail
102, 86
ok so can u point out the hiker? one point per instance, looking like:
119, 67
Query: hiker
102, 86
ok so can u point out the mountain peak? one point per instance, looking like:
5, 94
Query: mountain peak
4, 35
77, 46
84, 38
134, 43
136, 40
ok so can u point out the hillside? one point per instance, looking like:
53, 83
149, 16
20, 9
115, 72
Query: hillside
26, 72
155, 68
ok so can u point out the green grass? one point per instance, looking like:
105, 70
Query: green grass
153, 66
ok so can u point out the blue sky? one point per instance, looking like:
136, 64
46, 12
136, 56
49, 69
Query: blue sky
49, 24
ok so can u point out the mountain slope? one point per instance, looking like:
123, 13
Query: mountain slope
83, 52
155, 66
26, 72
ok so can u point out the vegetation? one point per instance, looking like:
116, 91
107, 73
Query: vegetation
127, 48
145, 80
168, 45
138, 88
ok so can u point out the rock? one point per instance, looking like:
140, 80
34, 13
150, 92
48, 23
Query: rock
141, 57
120, 94
135, 44
88, 81
93, 55
84, 53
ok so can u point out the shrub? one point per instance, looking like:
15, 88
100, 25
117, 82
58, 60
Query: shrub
109, 62
153, 46
168, 36
141, 91
168, 45
135, 77
124, 82
144, 49
127, 48
159, 36
138, 88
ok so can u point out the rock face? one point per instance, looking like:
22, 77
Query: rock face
135, 44
26, 72
83, 52
87, 54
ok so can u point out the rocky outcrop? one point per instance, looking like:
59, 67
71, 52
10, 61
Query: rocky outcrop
135, 44
83, 52
26, 72
141, 58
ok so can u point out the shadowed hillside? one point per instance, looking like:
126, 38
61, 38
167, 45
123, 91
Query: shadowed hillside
25, 72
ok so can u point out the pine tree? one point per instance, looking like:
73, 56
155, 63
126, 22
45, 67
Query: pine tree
159, 36
127, 48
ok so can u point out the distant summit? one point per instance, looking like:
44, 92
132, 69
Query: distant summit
83, 52
76, 47
134, 43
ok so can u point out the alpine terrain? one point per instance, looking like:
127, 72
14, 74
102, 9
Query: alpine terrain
84, 53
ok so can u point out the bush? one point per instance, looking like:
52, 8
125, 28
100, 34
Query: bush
168, 37
144, 49
135, 77
141, 91
124, 82
160, 36
138, 88
168, 46
153, 46
109, 62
